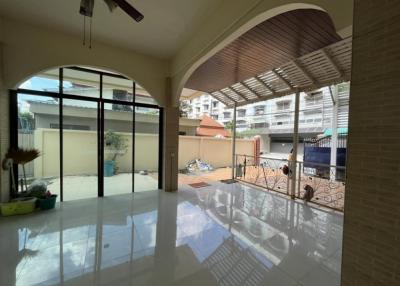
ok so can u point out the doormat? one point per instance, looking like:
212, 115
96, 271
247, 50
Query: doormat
199, 185
228, 181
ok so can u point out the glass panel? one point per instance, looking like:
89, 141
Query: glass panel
35, 115
45, 81
146, 148
142, 96
118, 126
117, 88
79, 149
81, 83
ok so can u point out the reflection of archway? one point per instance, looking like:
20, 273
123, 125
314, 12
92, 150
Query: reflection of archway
230, 40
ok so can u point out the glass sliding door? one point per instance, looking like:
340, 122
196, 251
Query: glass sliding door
38, 118
80, 149
97, 133
118, 138
147, 121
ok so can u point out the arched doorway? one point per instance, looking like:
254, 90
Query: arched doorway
98, 133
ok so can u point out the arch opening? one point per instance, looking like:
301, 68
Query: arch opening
243, 52
91, 127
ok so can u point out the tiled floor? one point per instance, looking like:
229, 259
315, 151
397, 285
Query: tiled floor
217, 235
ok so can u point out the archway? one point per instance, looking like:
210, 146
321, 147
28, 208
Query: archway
91, 127
261, 12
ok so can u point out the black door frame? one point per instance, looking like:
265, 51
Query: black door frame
13, 109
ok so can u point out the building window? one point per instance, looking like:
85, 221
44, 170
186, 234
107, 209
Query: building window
206, 106
259, 110
283, 105
215, 104
227, 115
69, 126
241, 112
314, 98
197, 109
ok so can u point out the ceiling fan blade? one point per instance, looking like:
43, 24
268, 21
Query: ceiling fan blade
135, 14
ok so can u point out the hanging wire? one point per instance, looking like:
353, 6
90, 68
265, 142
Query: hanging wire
90, 34
84, 30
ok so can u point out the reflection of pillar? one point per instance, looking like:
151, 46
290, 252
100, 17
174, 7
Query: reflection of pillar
165, 250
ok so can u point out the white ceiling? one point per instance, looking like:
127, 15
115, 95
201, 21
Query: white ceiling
166, 26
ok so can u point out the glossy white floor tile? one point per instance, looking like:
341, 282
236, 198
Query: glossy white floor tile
218, 235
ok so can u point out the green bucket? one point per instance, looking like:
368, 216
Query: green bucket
47, 203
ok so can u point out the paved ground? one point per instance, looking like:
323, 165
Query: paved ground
82, 187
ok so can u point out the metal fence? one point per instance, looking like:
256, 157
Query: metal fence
326, 182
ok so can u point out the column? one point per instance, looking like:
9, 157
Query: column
170, 148
293, 164
234, 142
334, 126
371, 249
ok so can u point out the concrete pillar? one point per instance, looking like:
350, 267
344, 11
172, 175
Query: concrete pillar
234, 143
371, 248
4, 134
293, 164
171, 149
334, 126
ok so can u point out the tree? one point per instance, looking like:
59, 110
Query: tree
115, 144
229, 126
184, 108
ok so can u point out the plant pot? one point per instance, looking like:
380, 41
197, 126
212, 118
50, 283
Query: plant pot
109, 167
18, 206
47, 203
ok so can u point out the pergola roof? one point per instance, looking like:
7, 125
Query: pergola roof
326, 66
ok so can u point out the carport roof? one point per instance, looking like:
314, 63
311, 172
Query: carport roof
323, 67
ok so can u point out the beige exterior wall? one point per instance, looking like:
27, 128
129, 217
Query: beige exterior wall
80, 152
371, 245
215, 151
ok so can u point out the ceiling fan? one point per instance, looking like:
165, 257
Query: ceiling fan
86, 8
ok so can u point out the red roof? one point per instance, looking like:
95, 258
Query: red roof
211, 128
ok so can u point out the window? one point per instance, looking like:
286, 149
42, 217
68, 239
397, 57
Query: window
227, 115
260, 125
215, 116
215, 104
69, 126
283, 105
259, 110
197, 109
241, 112
94, 126
206, 106
314, 98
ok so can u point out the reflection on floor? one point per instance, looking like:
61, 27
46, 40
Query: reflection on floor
218, 235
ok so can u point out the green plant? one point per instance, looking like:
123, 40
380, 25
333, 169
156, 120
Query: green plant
116, 145
184, 109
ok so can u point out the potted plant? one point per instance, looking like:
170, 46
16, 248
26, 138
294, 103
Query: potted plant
115, 145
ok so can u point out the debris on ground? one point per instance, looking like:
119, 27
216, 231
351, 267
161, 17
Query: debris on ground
197, 165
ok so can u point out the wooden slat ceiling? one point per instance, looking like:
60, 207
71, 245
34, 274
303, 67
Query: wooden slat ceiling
323, 67
266, 46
